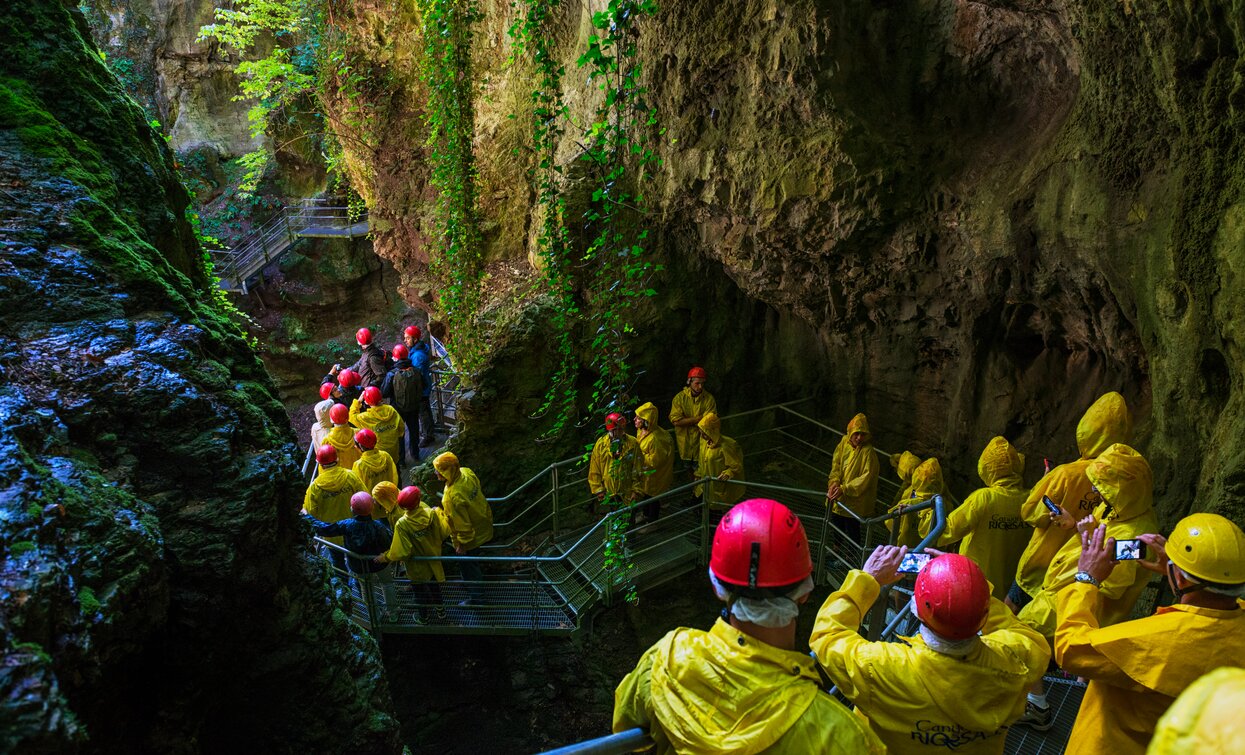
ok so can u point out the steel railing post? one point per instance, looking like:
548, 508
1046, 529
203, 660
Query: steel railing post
369, 601
557, 503
819, 572
705, 541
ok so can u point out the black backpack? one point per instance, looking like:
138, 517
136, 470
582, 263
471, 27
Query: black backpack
408, 390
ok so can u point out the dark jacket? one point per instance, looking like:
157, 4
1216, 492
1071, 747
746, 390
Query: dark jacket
362, 534
372, 366
386, 388
422, 359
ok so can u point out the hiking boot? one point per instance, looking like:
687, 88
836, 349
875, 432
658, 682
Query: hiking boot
1036, 717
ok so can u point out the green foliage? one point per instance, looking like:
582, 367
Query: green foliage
87, 601
450, 118
531, 34
618, 146
20, 547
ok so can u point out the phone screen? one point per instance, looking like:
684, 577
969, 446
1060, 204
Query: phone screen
913, 563
1129, 550
1050, 506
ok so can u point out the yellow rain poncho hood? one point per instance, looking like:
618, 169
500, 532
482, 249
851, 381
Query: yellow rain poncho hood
927, 480
341, 437
1123, 478
905, 464
385, 494
374, 467
1206, 718
447, 465
1001, 464
722, 691
648, 413
860, 424
710, 425
1107, 421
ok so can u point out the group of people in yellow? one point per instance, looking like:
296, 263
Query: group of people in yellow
1036, 578
624, 469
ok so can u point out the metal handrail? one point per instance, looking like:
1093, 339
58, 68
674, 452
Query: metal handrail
615, 744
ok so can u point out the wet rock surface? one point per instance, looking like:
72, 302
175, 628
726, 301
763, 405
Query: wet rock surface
156, 588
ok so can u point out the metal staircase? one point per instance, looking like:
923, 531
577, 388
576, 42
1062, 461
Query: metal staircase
309, 218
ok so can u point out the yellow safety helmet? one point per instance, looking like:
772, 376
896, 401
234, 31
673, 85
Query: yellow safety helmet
1208, 547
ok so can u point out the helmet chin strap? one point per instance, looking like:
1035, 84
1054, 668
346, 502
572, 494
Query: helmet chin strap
1181, 591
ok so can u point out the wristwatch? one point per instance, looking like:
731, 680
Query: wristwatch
1087, 578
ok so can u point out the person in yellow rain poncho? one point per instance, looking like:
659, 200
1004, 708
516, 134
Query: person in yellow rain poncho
689, 406
927, 482
328, 495
1136, 669
1122, 478
420, 532
341, 437
615, 467
988, 525
468, 513
373, 465
323, 424
904, 465
955, 687
742, 687
1105, 423
1205, 718
385, 494
657, 448
853, 480
722, 459
381, 419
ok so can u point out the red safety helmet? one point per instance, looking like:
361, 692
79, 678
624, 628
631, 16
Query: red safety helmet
400, 351
414, 332
326, 454
326, 390
363, 336
408, 498
760, 543
697, 372
348, 378
339, 414
365, 438
361, 504
952, 596
371, 396
614, 419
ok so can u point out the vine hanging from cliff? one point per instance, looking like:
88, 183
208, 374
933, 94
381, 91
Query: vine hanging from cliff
450, 118
618, 145
531, 34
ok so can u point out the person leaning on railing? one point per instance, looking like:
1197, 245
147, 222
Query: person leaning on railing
956, 686
420, 532
721, 459
468, 513
853, 479
742, 686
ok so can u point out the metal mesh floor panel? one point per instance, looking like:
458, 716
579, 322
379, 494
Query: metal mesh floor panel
1064, 695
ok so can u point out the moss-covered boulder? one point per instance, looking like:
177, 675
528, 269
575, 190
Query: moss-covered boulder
156, 589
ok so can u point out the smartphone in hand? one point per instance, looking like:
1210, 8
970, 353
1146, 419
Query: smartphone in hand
1051, 507
913, 563
1130, 550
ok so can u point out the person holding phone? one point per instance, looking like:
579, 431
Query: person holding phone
1105, 423
958, 684
1136, 669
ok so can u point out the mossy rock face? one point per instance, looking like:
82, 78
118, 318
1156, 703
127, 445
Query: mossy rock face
157, 591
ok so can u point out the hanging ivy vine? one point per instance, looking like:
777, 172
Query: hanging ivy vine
532, 34
618, 145
450, 118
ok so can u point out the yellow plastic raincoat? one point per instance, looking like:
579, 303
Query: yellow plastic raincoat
468, 513
721, 456
621, 477
927, 482
1137, 668
1106, 422
657, 448
1123, 478
420, 532
988, 525
376, 466
341, 437
918, 700
328, 495
1205, 718
383, 420
724, 691
687, 406
856, 470
905, 464
321, 427
385, 494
